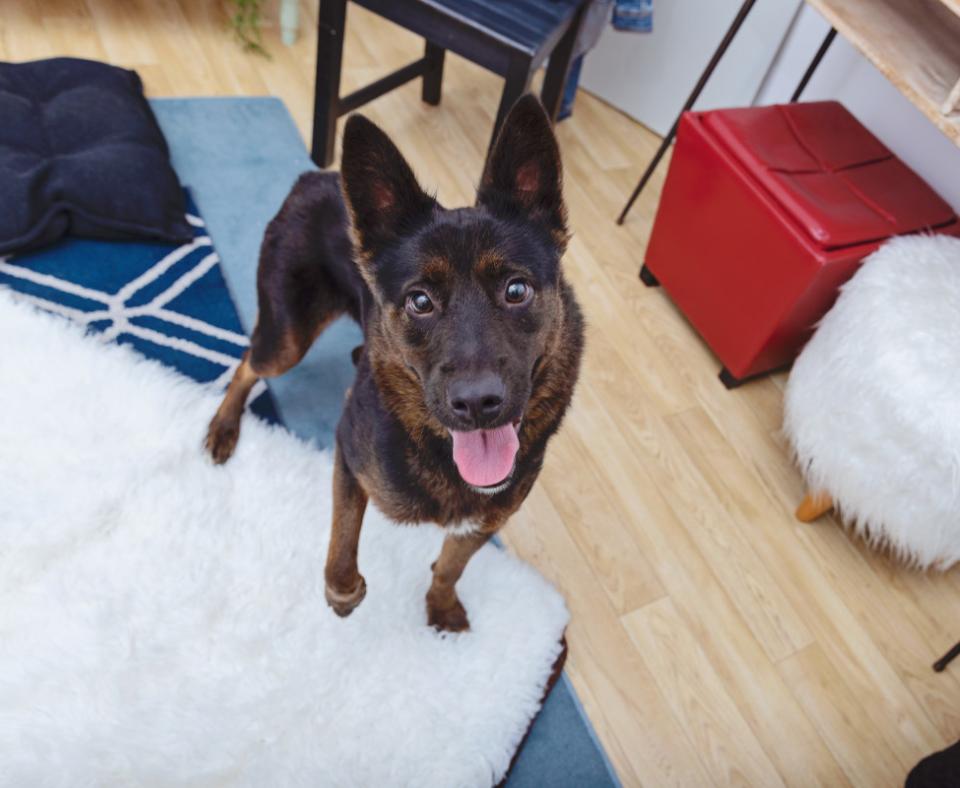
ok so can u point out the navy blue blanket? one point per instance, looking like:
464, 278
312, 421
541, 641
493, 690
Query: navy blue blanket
170, 302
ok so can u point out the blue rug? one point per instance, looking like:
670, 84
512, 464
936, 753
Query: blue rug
240, 157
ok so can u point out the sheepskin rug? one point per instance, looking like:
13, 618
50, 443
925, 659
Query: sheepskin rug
873, 402
162, 620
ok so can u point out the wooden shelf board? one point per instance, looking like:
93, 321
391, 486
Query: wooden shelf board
914, 43
953, 5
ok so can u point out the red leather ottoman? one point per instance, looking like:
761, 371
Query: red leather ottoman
765, 212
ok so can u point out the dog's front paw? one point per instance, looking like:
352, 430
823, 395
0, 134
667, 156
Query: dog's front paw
344, 603
222, 439
448, 619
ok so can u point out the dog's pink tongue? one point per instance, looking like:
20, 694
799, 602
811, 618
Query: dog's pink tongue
485, 457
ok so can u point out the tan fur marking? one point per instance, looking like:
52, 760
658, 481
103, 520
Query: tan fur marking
224, 429
489, 264
436, 269
360, 257
444, 610
402, 391
345, 585
291, 352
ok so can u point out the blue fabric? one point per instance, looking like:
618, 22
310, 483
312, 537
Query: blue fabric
570, 89
168, 301
635, 16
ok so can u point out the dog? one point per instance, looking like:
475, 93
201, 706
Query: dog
472, 340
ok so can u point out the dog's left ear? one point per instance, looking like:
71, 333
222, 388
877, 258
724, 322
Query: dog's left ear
524, 170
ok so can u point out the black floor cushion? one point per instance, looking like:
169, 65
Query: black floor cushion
81, 153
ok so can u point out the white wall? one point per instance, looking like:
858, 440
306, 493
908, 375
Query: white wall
847, 76
650, 75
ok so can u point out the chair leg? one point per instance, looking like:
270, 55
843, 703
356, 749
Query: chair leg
326, 97
516, 83
558, 68
813, 506
433, 76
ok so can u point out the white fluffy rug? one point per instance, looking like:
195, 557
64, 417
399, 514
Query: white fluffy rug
873, 402
162, 620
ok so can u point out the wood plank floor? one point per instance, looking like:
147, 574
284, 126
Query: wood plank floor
714, 639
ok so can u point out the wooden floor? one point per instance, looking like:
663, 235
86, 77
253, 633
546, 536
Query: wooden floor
714, 640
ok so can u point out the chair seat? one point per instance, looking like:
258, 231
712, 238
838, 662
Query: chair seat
528, 26
512, 38
529, 23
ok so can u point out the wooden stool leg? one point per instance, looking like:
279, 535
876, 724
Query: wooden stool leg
326, 96
813, 506
433, 77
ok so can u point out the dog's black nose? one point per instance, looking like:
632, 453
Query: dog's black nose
477, 400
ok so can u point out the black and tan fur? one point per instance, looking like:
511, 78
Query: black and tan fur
323, 256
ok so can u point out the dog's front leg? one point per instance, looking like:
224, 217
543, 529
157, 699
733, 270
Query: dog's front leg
444, 611
345, 586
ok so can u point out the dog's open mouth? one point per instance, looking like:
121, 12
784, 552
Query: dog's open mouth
486, 458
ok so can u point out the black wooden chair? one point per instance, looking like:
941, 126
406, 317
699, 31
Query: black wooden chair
512, 38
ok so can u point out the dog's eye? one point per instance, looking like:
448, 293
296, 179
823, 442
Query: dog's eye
419, 303
518, 291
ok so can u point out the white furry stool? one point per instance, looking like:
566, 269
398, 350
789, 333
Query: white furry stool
873, 403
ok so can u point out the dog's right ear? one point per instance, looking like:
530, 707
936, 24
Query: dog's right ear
523, 173
382, 193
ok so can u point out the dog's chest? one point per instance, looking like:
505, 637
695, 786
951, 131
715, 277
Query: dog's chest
418, 491
462, 528
456, 511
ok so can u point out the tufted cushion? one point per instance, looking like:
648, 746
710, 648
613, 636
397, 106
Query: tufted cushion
81, 153
828, 172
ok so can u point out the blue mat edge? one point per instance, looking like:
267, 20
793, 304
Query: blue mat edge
239, 266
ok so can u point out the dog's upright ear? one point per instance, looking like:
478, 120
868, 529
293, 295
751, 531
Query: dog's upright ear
524, 171
381, 190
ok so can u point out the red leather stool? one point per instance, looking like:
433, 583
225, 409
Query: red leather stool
765, 212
